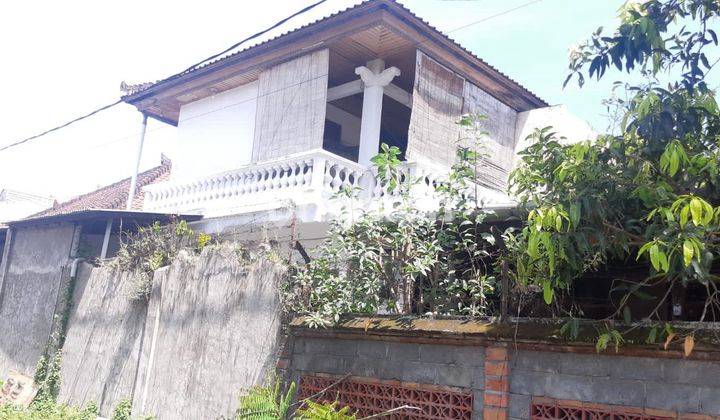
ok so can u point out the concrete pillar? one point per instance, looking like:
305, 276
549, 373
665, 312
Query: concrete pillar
375, 77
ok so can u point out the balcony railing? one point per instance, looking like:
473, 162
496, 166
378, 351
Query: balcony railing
306, 180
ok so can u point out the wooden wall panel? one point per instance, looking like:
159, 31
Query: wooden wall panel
437, 108
499, 144
291, 103
440, 98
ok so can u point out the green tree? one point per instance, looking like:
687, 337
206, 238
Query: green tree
650, 193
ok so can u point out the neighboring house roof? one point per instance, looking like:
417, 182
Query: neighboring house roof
113, 196
152, 97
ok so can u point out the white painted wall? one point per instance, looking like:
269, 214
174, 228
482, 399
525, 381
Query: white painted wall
216, 134
563, 122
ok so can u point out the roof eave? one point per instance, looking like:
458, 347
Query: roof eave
380, 11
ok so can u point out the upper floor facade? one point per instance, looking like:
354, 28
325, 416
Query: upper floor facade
298, 117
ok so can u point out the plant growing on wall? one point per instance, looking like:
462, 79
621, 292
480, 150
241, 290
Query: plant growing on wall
650, 193
403, 260
153, 247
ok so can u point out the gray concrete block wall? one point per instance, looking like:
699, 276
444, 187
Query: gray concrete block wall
687, 386
32, 280
446, 365
211, 331
102, 345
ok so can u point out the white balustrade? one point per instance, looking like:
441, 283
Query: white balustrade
310, 178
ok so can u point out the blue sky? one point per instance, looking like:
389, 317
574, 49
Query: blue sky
70, 59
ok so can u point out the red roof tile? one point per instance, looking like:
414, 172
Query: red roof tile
113, 196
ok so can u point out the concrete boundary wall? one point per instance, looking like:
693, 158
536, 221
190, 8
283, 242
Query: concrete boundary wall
505, 381
103, 339
209, 330
32, 278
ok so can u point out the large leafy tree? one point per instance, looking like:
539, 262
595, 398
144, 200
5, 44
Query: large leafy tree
651, 192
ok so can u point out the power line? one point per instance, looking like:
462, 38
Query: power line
192, 67
102, 108
304, 10
234, 104
505, 12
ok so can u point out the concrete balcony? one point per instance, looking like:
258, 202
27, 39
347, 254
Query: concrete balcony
306, 182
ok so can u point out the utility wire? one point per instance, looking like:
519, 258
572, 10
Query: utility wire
250, 99
102, 108
194, 66
234, 104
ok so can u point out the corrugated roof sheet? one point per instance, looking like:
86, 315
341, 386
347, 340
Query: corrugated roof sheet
145, 86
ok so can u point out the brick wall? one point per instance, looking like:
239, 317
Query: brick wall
505, 381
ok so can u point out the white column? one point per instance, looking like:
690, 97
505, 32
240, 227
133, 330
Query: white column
375, 77
106, 239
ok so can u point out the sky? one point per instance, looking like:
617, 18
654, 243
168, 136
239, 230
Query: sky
64, 59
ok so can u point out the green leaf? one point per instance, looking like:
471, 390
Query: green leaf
548, 292
696, 209
688, 251
550, 249
602, 342
627, 315
575, 214
655, 256
684, 214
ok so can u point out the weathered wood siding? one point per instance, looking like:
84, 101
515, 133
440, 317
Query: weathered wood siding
440, 98
437, 107
499, 144
291, 107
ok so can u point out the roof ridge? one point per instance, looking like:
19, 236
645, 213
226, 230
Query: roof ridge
106, 197
389, 3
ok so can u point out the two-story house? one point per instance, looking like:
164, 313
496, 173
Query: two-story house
297, 117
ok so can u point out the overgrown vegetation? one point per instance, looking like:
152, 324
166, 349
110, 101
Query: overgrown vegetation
46, 408
271, 403
650, 193
150, 248
402, 260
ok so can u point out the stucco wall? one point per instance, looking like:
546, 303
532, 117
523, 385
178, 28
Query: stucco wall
102, 345
211, 331
215, 134
29, 292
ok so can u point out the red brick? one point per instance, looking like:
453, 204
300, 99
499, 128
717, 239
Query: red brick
544, 400
496, 368
495, 413
571, 403
625, 409
495, 400
500, 385
694, 416
496, 354
660, 413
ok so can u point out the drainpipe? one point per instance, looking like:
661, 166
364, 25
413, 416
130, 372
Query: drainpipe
133, 180
74, 266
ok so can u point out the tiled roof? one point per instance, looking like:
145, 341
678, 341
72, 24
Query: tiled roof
113, 196
145, 86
